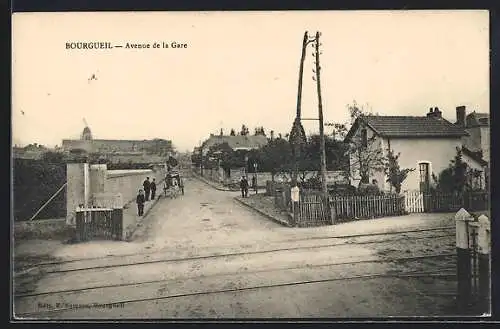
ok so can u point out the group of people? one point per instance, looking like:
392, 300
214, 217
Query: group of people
244, 186
145, 194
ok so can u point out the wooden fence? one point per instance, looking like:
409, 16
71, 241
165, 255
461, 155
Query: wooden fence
100, 223
313, 210
366, 207
418, 202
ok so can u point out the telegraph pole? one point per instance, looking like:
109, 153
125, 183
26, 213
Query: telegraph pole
301, 73
297, 135
321, 125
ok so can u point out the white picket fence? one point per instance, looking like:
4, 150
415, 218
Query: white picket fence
414, 201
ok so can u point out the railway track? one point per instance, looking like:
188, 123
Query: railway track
359, 267
443, 273
55, 267
308, 266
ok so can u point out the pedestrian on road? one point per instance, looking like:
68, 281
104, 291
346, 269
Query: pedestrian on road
147, 188
254, 183
244, 187
153, 189
165, 187
140, 200
181, 184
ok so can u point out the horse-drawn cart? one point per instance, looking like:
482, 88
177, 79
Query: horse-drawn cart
174, 185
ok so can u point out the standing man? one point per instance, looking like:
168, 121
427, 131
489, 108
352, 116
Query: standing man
254, 183
242, 186
140, 200
246, 186
153, 189
147, 188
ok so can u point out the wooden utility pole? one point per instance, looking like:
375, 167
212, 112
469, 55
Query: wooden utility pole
297, 133
301, 73
321, 124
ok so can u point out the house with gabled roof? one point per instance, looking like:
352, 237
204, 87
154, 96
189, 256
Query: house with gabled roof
425, 143
477, 126
237, 142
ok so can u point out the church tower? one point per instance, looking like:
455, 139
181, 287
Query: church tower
86, 134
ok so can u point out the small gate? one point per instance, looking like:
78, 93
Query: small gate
414, 201
99, 223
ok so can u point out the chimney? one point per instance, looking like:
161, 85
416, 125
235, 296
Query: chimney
460, 116
434, 113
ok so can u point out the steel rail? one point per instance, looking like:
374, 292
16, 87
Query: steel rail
281, 241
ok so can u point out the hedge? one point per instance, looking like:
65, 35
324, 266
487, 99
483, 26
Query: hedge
35, 181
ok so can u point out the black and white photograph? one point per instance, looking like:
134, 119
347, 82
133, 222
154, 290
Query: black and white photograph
238, 165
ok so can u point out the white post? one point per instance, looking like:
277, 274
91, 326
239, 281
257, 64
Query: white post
295, 196
464, 287
484, 248
86, 190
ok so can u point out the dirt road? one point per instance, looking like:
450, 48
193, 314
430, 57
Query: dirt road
204, 255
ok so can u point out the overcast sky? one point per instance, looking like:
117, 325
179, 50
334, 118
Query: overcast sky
239, 67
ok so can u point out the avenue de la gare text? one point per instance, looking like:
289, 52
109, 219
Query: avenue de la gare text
130, 45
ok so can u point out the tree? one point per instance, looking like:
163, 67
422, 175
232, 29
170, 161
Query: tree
275, 157
364, 151
53, 157
223, 155
395, 175
260, 131
458, 177
336, 158
244, 130
196, 158
232, 133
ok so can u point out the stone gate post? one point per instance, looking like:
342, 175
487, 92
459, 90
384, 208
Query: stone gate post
78, 189
484, 249
464, 284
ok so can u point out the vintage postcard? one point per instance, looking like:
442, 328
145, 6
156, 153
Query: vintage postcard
250, 165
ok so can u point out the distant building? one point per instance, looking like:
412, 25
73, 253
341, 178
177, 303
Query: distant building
116, 146
477, 126
238, 142
31, 151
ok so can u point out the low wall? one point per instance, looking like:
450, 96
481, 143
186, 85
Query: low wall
49, 229
332, 177
128, 182
87, 181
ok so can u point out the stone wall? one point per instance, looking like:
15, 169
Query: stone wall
88, 184
332, 177
128, 183
42, 229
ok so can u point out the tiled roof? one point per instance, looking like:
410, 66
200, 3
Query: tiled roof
474, 155
409, 126
237, 142
475, 119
